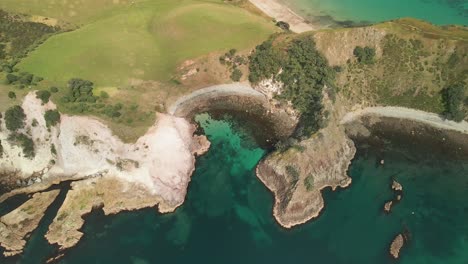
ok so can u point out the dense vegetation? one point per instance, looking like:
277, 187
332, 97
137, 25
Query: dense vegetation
14, 118
18, 35
453, 97
364, 55
305, 73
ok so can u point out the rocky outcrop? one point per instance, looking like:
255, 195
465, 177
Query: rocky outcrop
15, 226
297, 176
396, 246
396, 186
111, 193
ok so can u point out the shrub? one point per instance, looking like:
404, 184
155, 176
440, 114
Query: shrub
44, 95
26, 143
11, 95
283, 25
54, 89
104, 95
236, 75
14, 118
364, 55
293, 173
52, 117
309, 182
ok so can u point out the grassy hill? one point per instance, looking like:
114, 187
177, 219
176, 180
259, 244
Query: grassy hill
414, 61
130, 48
145, 40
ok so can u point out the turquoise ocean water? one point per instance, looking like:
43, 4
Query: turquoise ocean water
227, 216
328, 12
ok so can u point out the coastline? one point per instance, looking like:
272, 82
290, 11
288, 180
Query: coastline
430, 119
280, 12
271, 172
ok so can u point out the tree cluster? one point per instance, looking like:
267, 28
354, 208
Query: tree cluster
80, 91
305, 73
453, 98
22, 79
20, 35
52, 118
364, 55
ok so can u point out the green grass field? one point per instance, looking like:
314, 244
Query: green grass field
145, 40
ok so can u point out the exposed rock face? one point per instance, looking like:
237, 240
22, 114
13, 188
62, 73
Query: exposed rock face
111, 193
162, 160
397, 245
15, 226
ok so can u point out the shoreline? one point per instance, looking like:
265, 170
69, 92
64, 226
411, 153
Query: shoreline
421, 118
426, 118
280, 12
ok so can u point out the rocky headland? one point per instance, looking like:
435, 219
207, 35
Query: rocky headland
18, 224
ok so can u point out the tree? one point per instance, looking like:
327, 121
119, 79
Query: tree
364, 55
236, 75
14, 118
452, 97
11, 95
44, 95
52, 117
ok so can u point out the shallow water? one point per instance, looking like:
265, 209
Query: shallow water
227, 215
441, 12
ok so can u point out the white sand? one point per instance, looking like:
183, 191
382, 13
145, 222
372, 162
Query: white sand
280, 12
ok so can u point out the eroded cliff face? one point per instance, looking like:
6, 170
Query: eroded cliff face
155, 170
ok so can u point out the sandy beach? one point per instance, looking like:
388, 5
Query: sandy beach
279, 12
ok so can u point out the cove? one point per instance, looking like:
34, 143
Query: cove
348, 12
227, 215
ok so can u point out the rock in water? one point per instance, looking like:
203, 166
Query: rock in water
396, 246
397, 186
